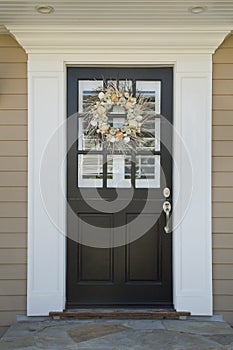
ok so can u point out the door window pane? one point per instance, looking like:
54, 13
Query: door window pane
119, 171
152, 91
90, 170
150, 135
86, 142
147, 171
86, 92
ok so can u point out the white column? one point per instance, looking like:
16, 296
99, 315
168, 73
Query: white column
192, 247
46, 244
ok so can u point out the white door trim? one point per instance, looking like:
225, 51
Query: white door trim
192, 257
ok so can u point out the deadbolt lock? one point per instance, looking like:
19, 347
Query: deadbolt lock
166, 192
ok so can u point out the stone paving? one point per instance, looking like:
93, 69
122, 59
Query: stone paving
99, 334
3, 330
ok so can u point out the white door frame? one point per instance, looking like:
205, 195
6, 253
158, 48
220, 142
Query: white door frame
190, 53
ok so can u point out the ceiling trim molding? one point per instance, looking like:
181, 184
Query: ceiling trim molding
70, 39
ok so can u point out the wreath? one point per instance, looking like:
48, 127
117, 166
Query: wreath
111, 101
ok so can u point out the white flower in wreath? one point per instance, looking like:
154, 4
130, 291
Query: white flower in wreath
103, 119
93, 122
124, 128
104, 127
133, 100
101, 95
139, 118
126, 139
122, 101
108, 104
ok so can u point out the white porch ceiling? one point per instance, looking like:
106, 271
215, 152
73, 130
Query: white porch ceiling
119, 14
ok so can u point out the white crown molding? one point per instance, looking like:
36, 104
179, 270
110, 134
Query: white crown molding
66, 39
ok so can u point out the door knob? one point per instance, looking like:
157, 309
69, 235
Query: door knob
167, 209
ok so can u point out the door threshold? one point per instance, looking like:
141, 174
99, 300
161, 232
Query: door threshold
79, 314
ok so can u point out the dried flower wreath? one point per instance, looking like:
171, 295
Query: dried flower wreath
113, 100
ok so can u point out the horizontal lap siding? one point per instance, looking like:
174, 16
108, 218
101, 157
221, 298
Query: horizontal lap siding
222, 191
13, 180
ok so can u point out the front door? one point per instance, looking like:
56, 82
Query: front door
126, 260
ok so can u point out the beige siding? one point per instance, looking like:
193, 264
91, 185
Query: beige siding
13, 179
223, 180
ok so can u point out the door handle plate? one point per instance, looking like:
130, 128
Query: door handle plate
167, 209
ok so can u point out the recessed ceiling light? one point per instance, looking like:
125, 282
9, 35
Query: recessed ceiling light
197, 9
45, 10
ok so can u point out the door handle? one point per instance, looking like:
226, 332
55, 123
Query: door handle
167, 209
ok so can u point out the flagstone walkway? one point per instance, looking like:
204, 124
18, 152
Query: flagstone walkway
99, 334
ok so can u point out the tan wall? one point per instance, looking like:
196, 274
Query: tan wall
223, 179
13, 179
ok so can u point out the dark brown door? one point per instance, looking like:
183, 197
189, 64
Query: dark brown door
125, 259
